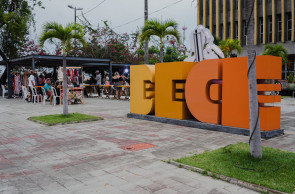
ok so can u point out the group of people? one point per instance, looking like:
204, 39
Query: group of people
119, 80
46, 83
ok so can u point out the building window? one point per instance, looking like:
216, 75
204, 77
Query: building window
260, 2
261, 29
236, 35
201, 8
228, 30
290, 64
269, 1
269, 28
214, 30
236, 4
221, 31
289, 26
207, 8
279, 27
221, 6
243, 2
227, 5
244, 39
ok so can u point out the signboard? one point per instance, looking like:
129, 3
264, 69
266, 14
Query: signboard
212, 91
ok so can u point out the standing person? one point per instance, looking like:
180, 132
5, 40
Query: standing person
123, 79
117, 82
57, 88
48, 89
98, 81
32, 84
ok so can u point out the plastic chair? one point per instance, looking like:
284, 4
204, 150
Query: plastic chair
55, 95
44, 95
25, 93
35, 95
4, 91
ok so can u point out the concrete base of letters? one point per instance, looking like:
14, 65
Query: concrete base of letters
206, 126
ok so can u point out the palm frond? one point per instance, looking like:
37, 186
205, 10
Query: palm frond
276, 50
65, 34
229, 45
174, 33
170, 23
79, 38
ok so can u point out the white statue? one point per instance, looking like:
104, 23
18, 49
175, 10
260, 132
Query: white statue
202, 45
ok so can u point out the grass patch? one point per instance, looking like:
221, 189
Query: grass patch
62, 119
219, 161
284, 97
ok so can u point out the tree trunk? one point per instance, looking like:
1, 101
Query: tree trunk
161, 51
65, 84
255, 141
146, 52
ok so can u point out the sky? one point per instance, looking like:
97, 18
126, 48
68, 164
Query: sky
118, 13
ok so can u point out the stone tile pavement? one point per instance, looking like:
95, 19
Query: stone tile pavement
87, 157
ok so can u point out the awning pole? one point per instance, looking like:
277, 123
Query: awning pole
111, 72
9, 78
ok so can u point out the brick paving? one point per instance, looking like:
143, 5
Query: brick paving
90, 157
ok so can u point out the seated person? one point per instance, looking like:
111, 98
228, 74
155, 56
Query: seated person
48, 89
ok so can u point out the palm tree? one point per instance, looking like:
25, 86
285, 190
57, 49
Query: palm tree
229, 45
161, 29
276, 50
65, 35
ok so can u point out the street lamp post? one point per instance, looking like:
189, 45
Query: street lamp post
146, 43
75, 8
75, 19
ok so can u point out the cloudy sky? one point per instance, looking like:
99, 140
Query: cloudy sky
118, 13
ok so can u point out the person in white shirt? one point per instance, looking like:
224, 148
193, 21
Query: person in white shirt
31, 84
98, 81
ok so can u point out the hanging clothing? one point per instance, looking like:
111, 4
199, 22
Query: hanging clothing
60, 74
17, 84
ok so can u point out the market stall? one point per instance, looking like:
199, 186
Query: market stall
75, 93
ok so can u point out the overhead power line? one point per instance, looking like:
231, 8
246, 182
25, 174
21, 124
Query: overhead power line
94, 7
167, 6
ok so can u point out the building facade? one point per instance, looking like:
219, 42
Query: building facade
274, 22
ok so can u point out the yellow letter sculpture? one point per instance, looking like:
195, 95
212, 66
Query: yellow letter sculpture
143, 89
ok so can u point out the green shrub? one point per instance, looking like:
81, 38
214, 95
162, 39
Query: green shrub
290, 78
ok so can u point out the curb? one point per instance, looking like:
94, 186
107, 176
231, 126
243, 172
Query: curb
225, 178
65, 123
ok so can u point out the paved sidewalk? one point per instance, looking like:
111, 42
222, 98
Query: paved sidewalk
88, 157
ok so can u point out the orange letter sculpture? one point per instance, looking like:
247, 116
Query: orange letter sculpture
142, 92
235, 92
203, 106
